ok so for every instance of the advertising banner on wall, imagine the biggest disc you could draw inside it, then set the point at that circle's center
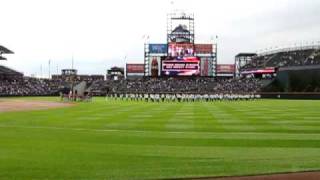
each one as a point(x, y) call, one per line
point(226, 68)
point(158, 48)
point(180, 49)
point(135, 68)
point(203, 48)
point(260, 71)
point(187, 66)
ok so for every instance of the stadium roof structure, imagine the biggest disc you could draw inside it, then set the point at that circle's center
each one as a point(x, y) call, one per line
point(297, 68)
point(4, 50)
point(245, 54)
point(8, 71)
point(117, 68)
point(180, 34)
point(180, 29)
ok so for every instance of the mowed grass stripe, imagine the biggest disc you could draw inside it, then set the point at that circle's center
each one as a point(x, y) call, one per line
point(198, 142)
point(182, 120)
point(140, 140)
point(183, 134)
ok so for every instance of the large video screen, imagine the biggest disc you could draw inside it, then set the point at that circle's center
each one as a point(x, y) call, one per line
point(186, 66)
point(180, 49)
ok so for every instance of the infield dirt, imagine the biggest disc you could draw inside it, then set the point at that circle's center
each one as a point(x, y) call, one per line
point(9, 105)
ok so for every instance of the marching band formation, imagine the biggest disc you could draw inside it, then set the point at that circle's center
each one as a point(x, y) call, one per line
point(182, 97)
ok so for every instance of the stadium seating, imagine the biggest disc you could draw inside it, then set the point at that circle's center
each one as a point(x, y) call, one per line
point(9, 74)
point(17, 85)
point(197, 85)
point(177, 85)
point(28, 87)
point(299, 57)
point(6, 70)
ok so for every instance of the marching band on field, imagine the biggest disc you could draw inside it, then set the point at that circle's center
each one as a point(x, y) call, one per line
point(180, 97)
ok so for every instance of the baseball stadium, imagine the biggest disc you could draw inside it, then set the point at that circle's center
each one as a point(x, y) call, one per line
point(177, 114)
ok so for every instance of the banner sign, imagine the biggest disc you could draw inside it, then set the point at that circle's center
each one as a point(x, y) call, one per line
point(203, 48)
point(225, 68)
point(135, 68)
point(260, 71)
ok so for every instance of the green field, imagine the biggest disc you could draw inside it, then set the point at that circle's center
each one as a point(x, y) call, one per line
point(138, 140)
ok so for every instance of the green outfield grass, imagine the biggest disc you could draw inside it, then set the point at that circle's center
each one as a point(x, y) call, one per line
point(138, 140)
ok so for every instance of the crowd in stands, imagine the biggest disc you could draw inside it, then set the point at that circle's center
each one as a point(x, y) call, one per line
point(293, 58)
point(314, 58)
point(28, 87)
point(12, 83)
point(174, 85)
point(286, 59)
point(44, 87)
point(36, 87)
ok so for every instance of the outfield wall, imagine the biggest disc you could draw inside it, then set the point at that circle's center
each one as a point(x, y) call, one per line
point(282, 95)
point(299, 79)
point(300, 82)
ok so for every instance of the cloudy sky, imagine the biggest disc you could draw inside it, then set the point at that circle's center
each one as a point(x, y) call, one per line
point(99, 34)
